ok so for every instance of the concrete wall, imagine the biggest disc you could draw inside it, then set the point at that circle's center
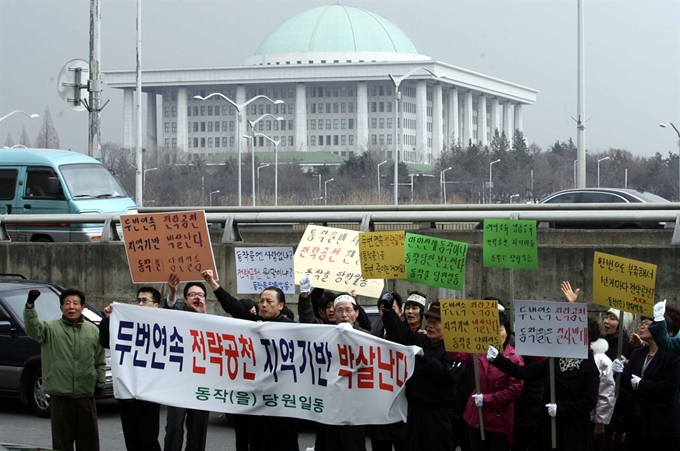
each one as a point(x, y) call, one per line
point(102, 272)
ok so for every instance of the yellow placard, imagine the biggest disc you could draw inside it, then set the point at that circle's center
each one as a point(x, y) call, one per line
point(158, 244)
point(331, 256)
point(624, 284)
point(382, 255)
point(470, 326)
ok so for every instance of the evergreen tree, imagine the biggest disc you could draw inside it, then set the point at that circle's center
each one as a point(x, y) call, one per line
point(9, 142)
point(24, 140)
point(48, 138)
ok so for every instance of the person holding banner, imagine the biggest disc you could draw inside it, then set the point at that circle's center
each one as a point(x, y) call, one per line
point(73, 369)
point(576, 391)
point(311, 299)
point(651, 378)
point(431, 390)
point(140, 419)
point(196, 420)
point(267, 432)
point(498, 393)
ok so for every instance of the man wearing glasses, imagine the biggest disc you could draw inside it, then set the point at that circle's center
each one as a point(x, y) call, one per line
point(196, 420)
point(139, 418)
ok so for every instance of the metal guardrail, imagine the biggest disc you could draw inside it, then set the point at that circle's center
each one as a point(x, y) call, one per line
point(368, 219)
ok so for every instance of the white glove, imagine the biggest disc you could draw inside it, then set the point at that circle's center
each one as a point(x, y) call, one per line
point(552, 409)
point(659, 310)
point(635, 382)
point(479, 400)
point(617, 366)
point(491, 354)
point(306, 284)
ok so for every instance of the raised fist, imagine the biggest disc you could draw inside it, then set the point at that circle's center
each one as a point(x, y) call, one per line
point(32, 296)
point(306, 284)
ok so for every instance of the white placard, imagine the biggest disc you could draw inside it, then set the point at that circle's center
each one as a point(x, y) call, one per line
point(551, 329)
point(316, 372)
point(260, 267)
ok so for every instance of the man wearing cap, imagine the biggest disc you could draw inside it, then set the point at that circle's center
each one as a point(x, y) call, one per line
point(431, 389)
point(346, 437)
point(413, 310)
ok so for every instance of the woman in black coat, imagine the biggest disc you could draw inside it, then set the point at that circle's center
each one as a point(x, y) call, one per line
point(577, 382)
point(651, 379)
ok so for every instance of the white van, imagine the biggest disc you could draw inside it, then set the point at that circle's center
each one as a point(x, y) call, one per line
point(47, 181)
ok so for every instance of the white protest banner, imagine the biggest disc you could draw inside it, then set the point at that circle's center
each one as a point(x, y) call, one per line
point(551, 329)
point(316, 372)
point(260, 267)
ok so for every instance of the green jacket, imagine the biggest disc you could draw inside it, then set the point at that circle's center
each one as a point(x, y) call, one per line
point(73, 361)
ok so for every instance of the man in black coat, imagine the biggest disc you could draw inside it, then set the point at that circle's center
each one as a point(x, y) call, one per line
point(431, 389)
point(268, 432)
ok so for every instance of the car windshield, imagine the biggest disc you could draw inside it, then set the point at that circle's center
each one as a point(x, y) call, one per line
point(91, 181)
point(47, 304)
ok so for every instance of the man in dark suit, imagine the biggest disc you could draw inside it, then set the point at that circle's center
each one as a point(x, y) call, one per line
point(196, 420)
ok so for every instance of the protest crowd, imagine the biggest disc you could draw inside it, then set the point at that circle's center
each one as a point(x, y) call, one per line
point(512, 409)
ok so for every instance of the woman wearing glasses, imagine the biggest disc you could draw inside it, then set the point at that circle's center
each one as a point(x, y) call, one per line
point(651, 378)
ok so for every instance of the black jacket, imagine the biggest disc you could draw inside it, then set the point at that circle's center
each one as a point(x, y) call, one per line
point(236, 309)
point(576, 390)
point(435, 376)
point(653, 409)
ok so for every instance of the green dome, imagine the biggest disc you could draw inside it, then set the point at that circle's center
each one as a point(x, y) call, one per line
point(337, 28)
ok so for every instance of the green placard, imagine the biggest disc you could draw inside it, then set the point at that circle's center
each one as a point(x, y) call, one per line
point(510, 243)
point(435, 261)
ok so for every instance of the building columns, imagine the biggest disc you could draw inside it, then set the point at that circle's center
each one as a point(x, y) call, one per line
point(518, 118)
point(437, 123)
point(182, 126)
point(482, 136)
point(421, 122)
point(495, 117)
point(507, 120)
point(152, 124)
point(301, 117)
point(453, 119)
point(362, 116)
point(128, 109)
point(467, 119)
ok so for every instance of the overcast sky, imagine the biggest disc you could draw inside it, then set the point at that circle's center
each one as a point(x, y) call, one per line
point(632, 56)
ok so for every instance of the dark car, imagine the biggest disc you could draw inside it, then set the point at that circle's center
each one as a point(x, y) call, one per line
point(20, 364)
point(604, 196)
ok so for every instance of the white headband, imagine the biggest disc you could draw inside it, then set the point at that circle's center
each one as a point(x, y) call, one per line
point(418, 299)
point(344, 298)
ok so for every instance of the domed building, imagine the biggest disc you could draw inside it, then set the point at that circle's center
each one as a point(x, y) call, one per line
point(328, 75)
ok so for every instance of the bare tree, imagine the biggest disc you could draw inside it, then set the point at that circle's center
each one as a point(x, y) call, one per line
point(9, 142)
point(48, 138)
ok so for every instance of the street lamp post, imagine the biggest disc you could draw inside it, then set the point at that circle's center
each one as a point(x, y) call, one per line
point(678, 133)
point(491, 177)
point(239, 111)
point(397, 97)
point(252, 144)
point(598, 169)
point(144, 177)
point(575, 173)
point(30, 116)
point(211, 193)
point(276, 165)
point(258, 176)
point(379, 164)
point(442, 183)
point(325, 191)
